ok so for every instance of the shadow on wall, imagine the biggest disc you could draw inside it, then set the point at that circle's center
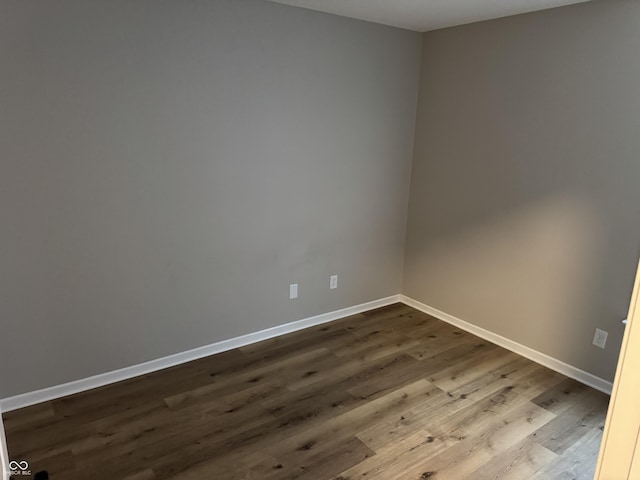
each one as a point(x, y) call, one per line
point(530, 275)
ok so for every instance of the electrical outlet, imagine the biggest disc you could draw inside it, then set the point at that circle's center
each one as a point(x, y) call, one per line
point(333, 282)
point(600, 338)
point(293, 291)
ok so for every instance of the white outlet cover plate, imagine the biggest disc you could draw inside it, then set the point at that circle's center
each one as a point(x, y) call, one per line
point(333, 282)
point(600, 338)
point(293, 291)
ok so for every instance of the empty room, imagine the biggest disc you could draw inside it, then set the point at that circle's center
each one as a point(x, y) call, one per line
point(319, 239)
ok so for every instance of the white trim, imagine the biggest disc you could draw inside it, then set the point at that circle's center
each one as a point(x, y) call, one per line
point(58, 391)
point(538, 357)
point(4, 452)
point(77, 386)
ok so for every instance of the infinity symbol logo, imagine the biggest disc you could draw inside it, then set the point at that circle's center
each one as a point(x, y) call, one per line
point(13, 465)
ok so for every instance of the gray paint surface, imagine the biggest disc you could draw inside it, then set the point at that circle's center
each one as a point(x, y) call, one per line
point(524, 214)
point(168, 168)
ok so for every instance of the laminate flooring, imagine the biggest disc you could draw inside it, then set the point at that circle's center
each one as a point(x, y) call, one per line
point(388, 394)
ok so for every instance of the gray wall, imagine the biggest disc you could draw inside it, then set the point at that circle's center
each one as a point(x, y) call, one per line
point(524, 214)
point(167, 168)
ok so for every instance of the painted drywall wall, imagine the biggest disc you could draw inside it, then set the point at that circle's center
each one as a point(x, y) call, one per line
point(167, 169)
point(524, 214)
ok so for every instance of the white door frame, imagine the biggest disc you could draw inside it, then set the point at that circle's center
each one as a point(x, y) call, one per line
point(619, 457)
point(4, 453)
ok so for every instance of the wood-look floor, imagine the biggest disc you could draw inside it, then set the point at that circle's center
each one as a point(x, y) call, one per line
point(389, 394)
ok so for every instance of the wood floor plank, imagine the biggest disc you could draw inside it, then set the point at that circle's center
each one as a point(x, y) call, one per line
point(576, 463)
point(521, 461)
point(395, 459)
point(562, 396)
point(529, 381)
point(397, 371)
point(374, 345)
point(406, 424)
point(388, 394)
point(478, 366)
point(118, 434)
point(257, 393)
point(35, 416)
point(52, 439)
point(323, 461)
point(352, 421)
point(252, 466)
point(282, 346)
point(573, 422)
point(439, 338)
point(470, 452)
point(144, 475)
point(354, 374)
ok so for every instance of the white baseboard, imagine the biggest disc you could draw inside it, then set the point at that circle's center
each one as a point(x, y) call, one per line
point(77, 386)
point(538, 357)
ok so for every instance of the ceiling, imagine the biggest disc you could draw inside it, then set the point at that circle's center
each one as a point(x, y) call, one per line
point(424, 15)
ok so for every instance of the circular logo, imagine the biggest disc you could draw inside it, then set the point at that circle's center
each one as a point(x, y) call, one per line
point(13, 465)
